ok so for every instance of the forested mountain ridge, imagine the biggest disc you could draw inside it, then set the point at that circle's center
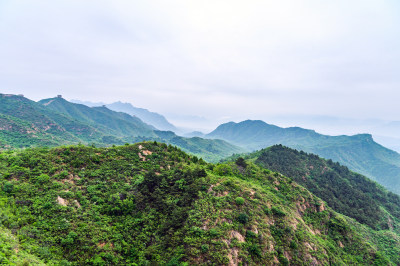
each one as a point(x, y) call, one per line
point(152, 203)
point(53, 122)
point(359, 152)
point(110, 122)
point(25, 123)
point(345, 191)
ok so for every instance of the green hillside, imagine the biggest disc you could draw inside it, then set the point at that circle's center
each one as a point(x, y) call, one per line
point(212, 150)
point(107, 121)
point(25, 123)
point(11, 252)
point(345, 191)
point(360, 152)
point(53, 122)
point(152, 203)
point(151, 118)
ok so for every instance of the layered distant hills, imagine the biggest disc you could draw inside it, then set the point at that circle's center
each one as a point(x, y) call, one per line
point(359, 152)
point(54, 122)
point(103, 201)
point(103, 119)
point(151, 118)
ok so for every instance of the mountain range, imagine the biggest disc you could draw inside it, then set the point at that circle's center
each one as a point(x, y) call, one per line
point(88, 185)
point(56, 121)
point(359, 152)
point(151, 118)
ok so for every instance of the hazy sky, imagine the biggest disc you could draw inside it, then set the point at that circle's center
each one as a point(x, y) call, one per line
point(220, 59)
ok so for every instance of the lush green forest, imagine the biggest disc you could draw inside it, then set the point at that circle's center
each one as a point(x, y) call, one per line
point(151, 203)
point(359, 152)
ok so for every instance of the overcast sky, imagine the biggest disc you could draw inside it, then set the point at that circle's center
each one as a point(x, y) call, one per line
point(221, 59)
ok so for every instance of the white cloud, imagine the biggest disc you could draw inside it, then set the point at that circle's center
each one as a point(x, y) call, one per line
point(212, 58)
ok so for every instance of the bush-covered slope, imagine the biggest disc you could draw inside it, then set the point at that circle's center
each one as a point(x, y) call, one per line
point(153, 203)
point(360, 152)
point(345, 191)
point(11, 252)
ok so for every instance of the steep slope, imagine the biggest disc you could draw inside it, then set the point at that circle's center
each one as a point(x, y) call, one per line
point(360, 152)
point(110, 122)
point(26, 123)
point(152, 203)
point(11, 252)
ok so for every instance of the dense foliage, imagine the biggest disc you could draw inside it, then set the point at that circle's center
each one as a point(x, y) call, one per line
point(346, 192)
point(152, 203)
point(359, 152)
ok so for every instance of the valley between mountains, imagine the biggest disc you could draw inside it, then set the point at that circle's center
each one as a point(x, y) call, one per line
point(115, 185)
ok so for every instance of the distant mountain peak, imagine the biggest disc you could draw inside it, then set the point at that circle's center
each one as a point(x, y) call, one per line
point(151, 118)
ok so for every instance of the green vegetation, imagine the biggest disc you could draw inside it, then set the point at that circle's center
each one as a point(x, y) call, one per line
point(53, 122)
point(346, 192)
point(11, 252)
point(153, 203)
point(239, 201)
point(103, 119)
point(359, 152)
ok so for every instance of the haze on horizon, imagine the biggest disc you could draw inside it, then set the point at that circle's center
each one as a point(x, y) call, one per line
point(210, 61)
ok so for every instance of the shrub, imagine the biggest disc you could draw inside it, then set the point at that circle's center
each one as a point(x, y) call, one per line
point(241, 162)
point(223, 170)
point(255, 250)
point(70, 239)
point(239, 201)
point(8, 187)
point(42, 179)
point(283, 260)
point(243, 218)
point(213, 232)
point(276, 211)
point(293, 244)
point(204, 248)
point(250, 234)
